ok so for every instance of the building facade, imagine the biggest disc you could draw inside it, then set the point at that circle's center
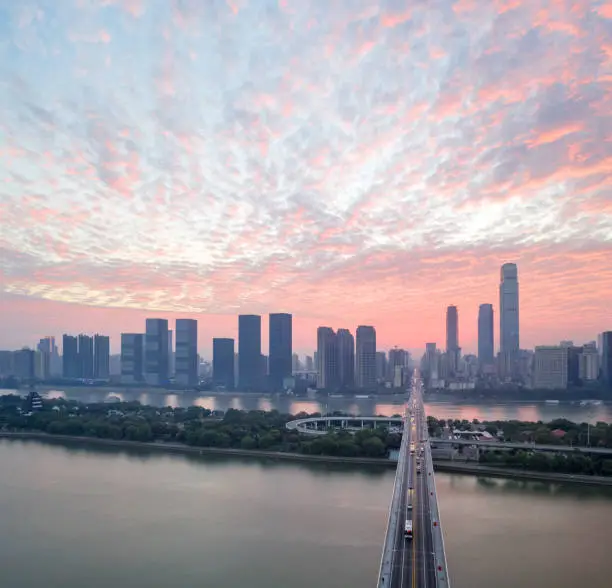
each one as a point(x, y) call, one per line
point(223, 363)
point(346, 359)
point(70, 357)
point(365, 357)
point(156, 352)
point(550, 367)
point(132, 357)
point(486, 341)
point(250, 363)
point(280, 349)
point(509, 340)
point(606, 357)
point(86, 357)
point(186, 354)
point(101, 345)
point(327, 359)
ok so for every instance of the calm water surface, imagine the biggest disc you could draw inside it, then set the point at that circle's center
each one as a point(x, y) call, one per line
point(74, 517)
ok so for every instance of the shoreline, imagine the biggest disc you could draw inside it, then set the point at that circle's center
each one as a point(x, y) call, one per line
point(446, 466)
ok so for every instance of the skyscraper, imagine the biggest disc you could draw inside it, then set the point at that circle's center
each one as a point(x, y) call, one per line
point(156, 352)
point(250, 365)
point(86, 357)
point(281, 341)
point(327, 359)
point(606, 357)
point(223, 363)
point(452, 329)
point(186, 357)
point(170, 354)
point(132, 357)
point(486, 343)
point(365, 363)
point(70, 357)
point(346, 359)
point(101, 357)
point(509, 309)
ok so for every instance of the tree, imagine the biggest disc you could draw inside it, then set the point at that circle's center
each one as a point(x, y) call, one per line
point(373, 447)
point(248, 442)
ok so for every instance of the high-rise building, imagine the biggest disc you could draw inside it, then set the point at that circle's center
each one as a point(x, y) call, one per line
point(486, 342)
point(86, 357)
point(223, 363)
point(365, 356)
point(452, 329)
point(588, 363)
point(46, 352)
point(186, 355)
point(132, 357)
point(606, 357)
point(397, 366)
point(70, 357)
point(250, 372)
point(101, 357)
point(381, 366)
point(156, 352)
point(327, 359)
point(346, 359)
point(551, 367)
point(281, 342)
point(309, 364)
point(24, 363)
point(431, 361)
point(295, 363)
point(509, 309)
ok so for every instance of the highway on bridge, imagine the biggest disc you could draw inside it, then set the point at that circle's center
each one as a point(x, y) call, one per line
point(413, 558)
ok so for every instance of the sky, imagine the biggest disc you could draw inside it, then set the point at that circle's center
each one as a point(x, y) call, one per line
point(348, 161)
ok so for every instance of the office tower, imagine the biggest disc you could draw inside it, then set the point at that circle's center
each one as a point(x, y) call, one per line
point(6, 363)
point(132, 357)
point(70, 357)
point(101, 345)
point(186, 354)
point(509, 309)
point(281, 349)
point(327, 359)
point(309, 364)
point(486, 343)
point(365, 364)
point(551, 367)
point(250, 372)
point(24, 365)
point(606, 357)
point(295, 363)
point(431, 361)
point(156, 352)
point(86, 357)
point(45, 351)
point(223, 363)
point(397, 366)
point(346, 359)
point(381, 366)
point(170, 354)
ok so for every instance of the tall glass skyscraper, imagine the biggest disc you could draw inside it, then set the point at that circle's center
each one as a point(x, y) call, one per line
point(280, 354)
point(509, 309)
point(223, 362)
point(156, 352)
point(250, 364)
point(346, 358)
point(366, 357)
point(486, 344)
point(452, 329)
point(186, 355)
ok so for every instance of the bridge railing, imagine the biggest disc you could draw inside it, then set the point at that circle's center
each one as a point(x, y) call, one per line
point(442, 579)
point(388, 554)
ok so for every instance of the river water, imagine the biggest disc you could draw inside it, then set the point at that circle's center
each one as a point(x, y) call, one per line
point(101, 518)
point(385, 405)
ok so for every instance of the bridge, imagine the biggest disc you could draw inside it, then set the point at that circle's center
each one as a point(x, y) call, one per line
point(322, 425)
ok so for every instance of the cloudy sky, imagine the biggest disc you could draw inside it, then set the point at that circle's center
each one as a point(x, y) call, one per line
point(349, 161)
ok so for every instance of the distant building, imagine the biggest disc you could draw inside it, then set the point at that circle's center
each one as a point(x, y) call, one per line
point(281, 348)
point(250, 372)
point(295, 363)
point(381, 366)
point(170, 354)
point(186, 358)
point(86, 357)
point(452, 329)
point(606, 357)
point(24, 364)
point(365, 357)
point(6, 363)
point(309, 364)
point(588, 363)
point(551, 367)
point(132, 357)
point(156, 352)
point(32, 402)
point(70, 357)
point(223, 363)
point(327, 359)
point(486, 342)
point(346, 359)
point(101, 357)
point(50, 364)
point(431, 361)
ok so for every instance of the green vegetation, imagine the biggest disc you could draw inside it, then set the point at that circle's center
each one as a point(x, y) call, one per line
point(192, 426)
point(559, 432)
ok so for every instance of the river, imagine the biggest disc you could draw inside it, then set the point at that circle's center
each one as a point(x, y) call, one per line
point(102, 518)
point(386, 405)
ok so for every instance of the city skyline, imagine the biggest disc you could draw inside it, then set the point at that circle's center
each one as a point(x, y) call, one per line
point(384, 164)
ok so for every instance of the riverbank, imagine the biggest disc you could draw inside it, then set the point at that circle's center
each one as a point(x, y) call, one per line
point(446, 466)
